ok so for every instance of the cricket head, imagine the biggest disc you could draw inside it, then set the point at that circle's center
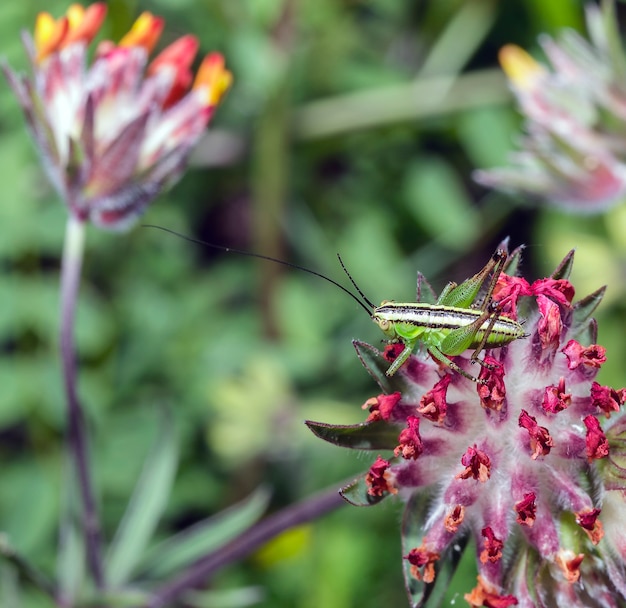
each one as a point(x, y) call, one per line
point(386, 318)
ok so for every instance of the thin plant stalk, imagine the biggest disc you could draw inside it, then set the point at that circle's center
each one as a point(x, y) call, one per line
point(77, 438)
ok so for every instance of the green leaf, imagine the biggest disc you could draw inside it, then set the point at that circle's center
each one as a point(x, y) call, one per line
point(227, 598)
point(70, 561)
point(123, 598)
point(29, 505)
point(440, 203)
point(204, 537)
point(377, 435)
point(10, 592)
point(145, 507)
point(487, 134)
point(356, 494)
point(24, 568)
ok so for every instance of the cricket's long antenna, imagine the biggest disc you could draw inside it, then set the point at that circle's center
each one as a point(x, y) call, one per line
point(283, 262)
point(354, 283)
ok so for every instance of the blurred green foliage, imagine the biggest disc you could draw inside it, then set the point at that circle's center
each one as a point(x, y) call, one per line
point(352, 127)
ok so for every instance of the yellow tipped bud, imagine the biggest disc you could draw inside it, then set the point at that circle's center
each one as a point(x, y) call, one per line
point(49, 33)
point(144, 32)
point(521, 69)
point(75, 15)
point(213, 77)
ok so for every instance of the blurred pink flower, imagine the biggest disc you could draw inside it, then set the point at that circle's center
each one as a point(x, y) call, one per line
point(573, 153)
point(114, 132)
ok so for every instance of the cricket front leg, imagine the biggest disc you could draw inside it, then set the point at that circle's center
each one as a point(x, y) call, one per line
point(401, 358)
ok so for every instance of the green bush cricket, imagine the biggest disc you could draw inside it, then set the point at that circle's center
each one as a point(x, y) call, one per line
point(447, 328)
point(453, 324)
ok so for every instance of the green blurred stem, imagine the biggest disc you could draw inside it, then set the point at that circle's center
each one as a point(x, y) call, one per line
point(270, 162)
point(252, 539)
point(424, 97)
point(70, 281)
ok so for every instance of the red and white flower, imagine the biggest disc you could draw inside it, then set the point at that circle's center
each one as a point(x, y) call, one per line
point(114, 132)
point(524, 461)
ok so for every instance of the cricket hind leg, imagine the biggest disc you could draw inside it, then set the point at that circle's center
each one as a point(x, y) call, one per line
point(498, 259)
point(465, 294)
point(492, 316)
point(462, 339)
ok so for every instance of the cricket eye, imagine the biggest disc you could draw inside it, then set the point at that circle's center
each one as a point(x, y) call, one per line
point(383, 324)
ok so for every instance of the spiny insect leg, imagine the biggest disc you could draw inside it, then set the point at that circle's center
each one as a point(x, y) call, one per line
point(492, 315)
point(498, 259)
point(465, 294)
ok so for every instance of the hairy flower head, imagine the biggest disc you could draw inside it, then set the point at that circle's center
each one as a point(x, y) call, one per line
point(528, 461)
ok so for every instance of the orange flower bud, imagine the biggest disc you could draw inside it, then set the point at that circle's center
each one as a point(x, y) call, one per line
point(84, 24)
point(49, 33)
point(144, 32)
point(213, 77)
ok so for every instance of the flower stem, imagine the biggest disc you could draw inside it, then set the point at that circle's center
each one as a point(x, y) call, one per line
point(248, 541)
point(70, 280)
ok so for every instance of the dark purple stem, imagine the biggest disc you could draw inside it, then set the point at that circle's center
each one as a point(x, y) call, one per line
point(247, 542)
point(70, 280)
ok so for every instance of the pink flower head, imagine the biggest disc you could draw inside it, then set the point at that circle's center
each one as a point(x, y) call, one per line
point(573, 152)
point(112, 134)
point(519, 460)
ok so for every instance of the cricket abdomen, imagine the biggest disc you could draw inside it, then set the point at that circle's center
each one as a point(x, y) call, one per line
point(419, 320)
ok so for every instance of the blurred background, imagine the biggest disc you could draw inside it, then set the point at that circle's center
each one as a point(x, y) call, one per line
point(353, 126)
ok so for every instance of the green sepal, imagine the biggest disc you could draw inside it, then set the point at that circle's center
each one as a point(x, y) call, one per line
point(513, 262)
point(376, 435)
point(589, 334)
point(356, 494)
point(526, 308)
point(421, 594)
point(583, 309)
point(424, 292)
point(376, 366)
point(564, 269)
point(613, 468)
